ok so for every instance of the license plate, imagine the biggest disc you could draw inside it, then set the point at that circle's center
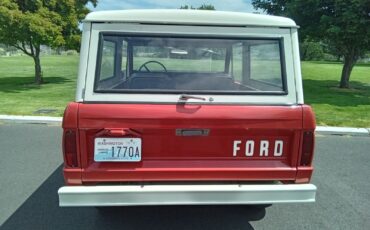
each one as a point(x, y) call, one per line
point(117, 149)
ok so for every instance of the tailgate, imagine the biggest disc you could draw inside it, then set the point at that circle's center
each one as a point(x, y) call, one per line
point(193, 142)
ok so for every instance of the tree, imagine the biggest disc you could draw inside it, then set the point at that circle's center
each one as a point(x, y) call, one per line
point(187, 7)
point(311, 50)
point(206, 7)
point(26, 25)
point(343, 24)
point(202, 7)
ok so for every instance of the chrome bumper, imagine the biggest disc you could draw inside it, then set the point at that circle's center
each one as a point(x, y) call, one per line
point(130, 195)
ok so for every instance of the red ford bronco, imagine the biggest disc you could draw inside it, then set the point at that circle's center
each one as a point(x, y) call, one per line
point(187, 107)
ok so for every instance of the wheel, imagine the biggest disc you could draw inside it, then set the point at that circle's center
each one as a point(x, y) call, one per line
point(144, 65)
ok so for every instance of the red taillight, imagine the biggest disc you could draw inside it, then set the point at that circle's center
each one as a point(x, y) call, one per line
point(70, 148)
point(307, 148)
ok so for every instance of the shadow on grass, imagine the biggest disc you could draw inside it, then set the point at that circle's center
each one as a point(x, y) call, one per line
point(20, 84)
point(41, 211)
point(328, 92)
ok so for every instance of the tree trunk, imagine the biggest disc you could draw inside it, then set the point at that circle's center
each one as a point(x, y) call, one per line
point(349, 62)
point(38, 72)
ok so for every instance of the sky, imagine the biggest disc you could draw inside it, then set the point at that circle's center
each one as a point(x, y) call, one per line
point(226, 5)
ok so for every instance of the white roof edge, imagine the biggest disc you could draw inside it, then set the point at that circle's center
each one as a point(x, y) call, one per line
point(189, 17)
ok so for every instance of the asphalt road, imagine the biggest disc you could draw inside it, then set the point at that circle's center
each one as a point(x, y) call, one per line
point(30, 175)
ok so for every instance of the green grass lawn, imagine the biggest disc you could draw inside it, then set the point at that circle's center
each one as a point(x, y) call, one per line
point(333, 106)
point(20, 96)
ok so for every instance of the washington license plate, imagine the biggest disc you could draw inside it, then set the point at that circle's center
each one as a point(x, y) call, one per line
point(117, 149)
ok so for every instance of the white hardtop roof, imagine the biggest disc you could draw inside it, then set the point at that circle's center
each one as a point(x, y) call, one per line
point(189, 17)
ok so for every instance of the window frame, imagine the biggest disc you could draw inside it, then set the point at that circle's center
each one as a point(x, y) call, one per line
point(130, 61)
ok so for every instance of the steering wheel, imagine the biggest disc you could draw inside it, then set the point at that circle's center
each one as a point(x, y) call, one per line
point(144, 65)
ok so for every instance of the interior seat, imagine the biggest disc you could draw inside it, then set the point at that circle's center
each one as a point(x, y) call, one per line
point(150, 81)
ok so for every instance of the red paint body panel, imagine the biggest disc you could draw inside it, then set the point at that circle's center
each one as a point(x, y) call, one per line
point(309, 121)
point(170, 157)
point(304, 174)
point(70, 118)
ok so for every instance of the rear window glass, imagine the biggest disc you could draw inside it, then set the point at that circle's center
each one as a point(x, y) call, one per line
point(180, 65)
point(107, 60)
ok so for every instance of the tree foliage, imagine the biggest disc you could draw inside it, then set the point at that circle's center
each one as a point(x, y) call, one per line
point(28, 24)
point(343, 24)
point(311, 50)
point(202, 7)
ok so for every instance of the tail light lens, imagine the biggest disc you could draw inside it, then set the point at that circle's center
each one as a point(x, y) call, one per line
point(70, 148)
point(307, 148)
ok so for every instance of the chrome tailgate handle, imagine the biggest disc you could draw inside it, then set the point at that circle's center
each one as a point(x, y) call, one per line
point(192, 132)
point(185, 97)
